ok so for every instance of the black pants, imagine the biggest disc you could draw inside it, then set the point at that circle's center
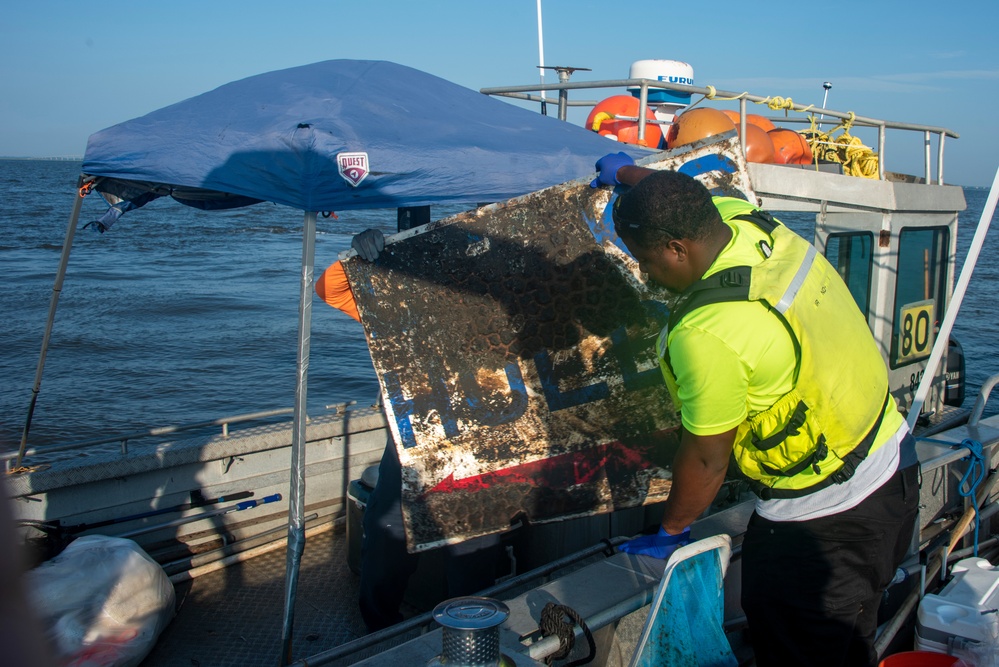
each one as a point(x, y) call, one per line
point(811, 589)
point(386, 565)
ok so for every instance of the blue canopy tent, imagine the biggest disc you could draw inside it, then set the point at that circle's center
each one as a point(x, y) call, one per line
point(277, 136)
point(274, 137)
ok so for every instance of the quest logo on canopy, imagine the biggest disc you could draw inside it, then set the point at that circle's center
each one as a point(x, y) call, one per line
point(353, 167)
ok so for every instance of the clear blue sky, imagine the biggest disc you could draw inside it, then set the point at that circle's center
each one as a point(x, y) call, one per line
point(71, 69)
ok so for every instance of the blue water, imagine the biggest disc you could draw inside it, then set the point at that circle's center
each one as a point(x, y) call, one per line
point(178, 315)
point(174, 315)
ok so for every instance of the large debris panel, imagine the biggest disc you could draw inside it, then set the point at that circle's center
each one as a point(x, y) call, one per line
point(515, 348)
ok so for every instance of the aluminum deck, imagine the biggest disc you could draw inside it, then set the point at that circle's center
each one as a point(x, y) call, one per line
point(232, 617)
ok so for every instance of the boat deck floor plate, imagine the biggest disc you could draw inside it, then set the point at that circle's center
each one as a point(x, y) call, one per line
point(233, 616)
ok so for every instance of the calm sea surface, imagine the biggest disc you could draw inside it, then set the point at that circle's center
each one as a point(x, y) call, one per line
point(178, 315)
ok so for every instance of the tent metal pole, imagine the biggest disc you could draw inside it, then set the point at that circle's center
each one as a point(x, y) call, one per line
point(296, 493)
point(67, 245)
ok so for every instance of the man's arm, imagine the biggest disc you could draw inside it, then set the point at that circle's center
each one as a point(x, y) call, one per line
point(630, 174)
point(698, 472)
point(618, 169)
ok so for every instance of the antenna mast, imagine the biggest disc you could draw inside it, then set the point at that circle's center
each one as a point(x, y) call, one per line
point(825, 85)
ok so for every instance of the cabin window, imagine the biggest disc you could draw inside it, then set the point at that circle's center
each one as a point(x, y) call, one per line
point(920, 292)
point(851, 255)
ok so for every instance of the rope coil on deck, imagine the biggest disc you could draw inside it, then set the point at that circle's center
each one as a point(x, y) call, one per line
point(845, 149)
point(553, 623)
point(21, 470)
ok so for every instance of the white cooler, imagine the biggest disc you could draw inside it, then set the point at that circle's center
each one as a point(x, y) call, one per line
point(966, 610)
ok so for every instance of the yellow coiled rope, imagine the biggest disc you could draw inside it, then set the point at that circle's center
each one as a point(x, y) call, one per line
point(845, 149)
point(778, 103)
point(775, 103)
point(20, 470)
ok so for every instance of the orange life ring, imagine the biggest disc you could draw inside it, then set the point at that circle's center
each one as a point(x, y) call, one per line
point(617, 118)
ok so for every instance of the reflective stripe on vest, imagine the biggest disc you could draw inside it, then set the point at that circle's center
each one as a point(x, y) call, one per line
point(799, 279)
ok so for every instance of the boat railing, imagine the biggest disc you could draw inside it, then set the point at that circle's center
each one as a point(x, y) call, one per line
point(984, 392)
point(124, 439)
point(527, 93)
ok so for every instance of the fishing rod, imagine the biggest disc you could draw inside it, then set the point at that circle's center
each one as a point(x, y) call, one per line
point(238, 507)
point(197, 500)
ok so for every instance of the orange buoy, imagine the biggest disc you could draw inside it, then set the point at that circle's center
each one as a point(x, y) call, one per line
point(790, 147)
point(759, 148)
point(617, 118)
point(695, 124)
point(751, 119)
point(760, 121)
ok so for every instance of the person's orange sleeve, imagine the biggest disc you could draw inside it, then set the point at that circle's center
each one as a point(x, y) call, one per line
point(333, 288)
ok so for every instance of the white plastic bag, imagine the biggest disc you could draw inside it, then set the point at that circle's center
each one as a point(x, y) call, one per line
point(983, 653)
point(103, 602)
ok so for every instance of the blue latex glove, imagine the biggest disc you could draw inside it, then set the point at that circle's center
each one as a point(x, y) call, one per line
point(661, 545)
point(607, 167)
point(368, 244)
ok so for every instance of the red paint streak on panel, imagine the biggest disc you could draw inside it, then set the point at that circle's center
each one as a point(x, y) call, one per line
point(570, 469)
